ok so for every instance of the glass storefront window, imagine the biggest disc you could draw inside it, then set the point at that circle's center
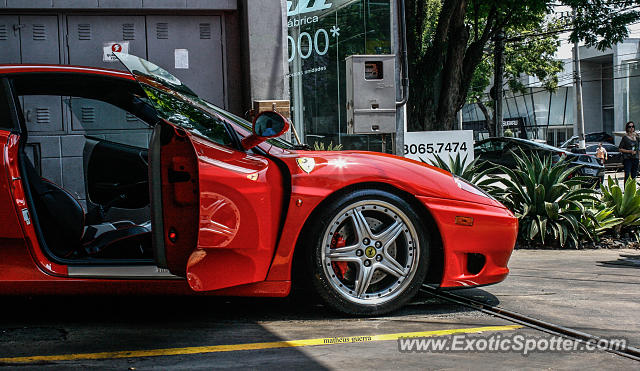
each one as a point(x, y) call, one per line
point(551, 110)
point(540, 99)
point(569, 116)
point(521, 107)
point(509, 106)
point(633, 89)
point(557, 109)
point(321, 35)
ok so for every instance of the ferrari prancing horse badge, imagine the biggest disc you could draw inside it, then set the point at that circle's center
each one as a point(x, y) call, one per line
point(306, 164)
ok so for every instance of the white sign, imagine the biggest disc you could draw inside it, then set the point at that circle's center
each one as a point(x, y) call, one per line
point(306, 44)
point(509, 123)
point(181, 58)
point(426, 145)
point(114, 46)
point(303, 7)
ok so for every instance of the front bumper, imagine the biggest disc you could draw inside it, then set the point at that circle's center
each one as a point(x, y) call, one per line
point(492, 235)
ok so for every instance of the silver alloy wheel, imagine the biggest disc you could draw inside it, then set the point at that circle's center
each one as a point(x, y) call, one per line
point(381, 254)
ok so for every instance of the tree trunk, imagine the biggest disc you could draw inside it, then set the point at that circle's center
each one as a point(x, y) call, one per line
point(422, 106)
point(427, 65)
point(441, 75)
point(444, 71)
point(452, 74)
point(488, 119)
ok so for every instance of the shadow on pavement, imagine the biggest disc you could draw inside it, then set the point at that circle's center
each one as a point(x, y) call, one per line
point(477, 294)
point(624, 261)
point(107, 323)
point(51, 325)
point(85, 324)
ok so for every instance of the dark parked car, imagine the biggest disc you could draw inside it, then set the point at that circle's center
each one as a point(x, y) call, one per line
point(600, 137)
point(614, 156)
point(499, 151)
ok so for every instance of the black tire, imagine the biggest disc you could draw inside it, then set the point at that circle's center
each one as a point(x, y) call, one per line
point(395, 272)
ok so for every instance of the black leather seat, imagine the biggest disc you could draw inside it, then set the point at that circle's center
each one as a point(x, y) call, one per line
point(62, 221)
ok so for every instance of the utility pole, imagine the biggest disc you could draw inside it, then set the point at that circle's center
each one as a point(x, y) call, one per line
point(578, 82)
point(497, 81)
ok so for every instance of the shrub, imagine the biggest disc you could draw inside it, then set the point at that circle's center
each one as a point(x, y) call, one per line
point(624, 205)
point(548, 202)
point(472, 172)
point(319, 146)
point(600, 220)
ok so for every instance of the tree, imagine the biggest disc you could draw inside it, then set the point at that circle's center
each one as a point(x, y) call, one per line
point(524, 55)
point(447, 40)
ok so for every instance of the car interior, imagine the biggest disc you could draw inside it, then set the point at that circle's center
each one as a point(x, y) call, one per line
point(88, 181)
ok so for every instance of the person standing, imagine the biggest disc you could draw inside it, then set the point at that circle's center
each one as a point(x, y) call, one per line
point(601, 154)
point(629, 148)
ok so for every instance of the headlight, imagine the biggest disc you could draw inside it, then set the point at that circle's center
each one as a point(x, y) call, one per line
point(466, 186)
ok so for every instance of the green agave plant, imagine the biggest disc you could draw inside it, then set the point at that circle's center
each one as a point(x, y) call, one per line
point(471, 172)
point(600, 220)
point(319, 146)
point(624, 205)
point(546, 198)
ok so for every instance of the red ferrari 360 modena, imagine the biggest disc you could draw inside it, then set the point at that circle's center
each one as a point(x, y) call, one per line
point(148, 189)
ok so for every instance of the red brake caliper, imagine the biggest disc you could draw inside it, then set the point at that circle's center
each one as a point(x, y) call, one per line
point(339, 267)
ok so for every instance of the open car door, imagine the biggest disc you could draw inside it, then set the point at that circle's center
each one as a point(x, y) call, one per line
point(215, 209)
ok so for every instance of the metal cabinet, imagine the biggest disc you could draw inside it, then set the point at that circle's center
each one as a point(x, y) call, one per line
point(40, 43)
point(190, 46)
point(40, 39)
point(9, 39)
point(191, 49)
point(88, 35)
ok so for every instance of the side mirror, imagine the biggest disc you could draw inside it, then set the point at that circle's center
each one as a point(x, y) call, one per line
point(268, 124)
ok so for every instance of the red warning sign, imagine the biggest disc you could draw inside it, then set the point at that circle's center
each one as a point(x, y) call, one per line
point(111, 47)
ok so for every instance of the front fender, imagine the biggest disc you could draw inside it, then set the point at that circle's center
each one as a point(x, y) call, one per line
point(333, 171)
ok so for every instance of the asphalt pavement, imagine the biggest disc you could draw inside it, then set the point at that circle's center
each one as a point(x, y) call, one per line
point(595, 291)
point(591, 290)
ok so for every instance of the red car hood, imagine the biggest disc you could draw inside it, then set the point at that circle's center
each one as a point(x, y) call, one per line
point(333, 170)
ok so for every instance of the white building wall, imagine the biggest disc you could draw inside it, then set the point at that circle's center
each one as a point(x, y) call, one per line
point(591, 96)
point(624, 59)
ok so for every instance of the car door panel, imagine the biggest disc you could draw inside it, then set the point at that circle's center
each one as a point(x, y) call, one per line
point(173, 170)
point(240, 208)
point(8, 217)
point(116, 174)
point(221, 207)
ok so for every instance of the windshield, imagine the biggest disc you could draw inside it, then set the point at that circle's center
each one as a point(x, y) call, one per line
point(278, 142)
point(178, 104)
point(537, 144)
point(569, 142)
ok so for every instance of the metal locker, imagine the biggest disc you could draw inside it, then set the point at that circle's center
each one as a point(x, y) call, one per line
point(9, 39)
point(87, 36)
point(190, 47)
point(98, 118)
point(40, 43)
point(39, 39)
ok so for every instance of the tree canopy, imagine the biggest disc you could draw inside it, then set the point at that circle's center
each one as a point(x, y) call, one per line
point(523, 55)
point(448, 42)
